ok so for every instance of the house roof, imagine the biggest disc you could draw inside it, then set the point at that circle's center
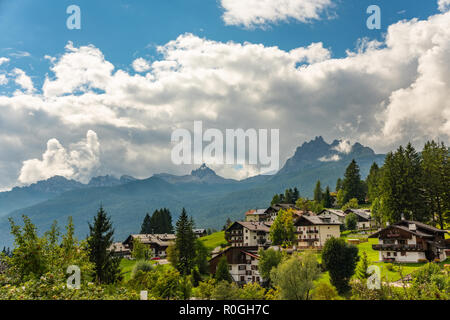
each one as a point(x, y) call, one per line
point(256, 212)
point(364, 214)
point(319, 220)
point(163, 240)
point(339, 213)
point(199, 230)
point(420, 232)
point(253, 226)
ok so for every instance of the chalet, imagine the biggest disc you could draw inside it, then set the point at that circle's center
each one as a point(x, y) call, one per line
point(272, 211)
point(338, 215)
point(242, 264)
point(118, 249)
point(313, 230)
point(411, 241)
point(365, 221)
point(157, 242)
point(257, 215)
point(248, 234)
point(200, 233)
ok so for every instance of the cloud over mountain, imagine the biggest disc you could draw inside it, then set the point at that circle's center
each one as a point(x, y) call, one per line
point(383, 94)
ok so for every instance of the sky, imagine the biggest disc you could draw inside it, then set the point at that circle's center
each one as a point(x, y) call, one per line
point(106, 98)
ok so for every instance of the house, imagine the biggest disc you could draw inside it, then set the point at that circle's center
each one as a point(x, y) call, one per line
point(272, 211)
point(335, 214)
point(242, 264)
point(257, 215)
point(120, 250)
point(313, 231)
point(365, 221)
point(248, 234)
point(157, 242)
point(411, 241)
point(200, 233)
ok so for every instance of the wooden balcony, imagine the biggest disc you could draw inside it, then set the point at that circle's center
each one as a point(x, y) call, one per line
point(398, 247)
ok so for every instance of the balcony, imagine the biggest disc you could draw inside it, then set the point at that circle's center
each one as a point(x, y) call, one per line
point(398, 247)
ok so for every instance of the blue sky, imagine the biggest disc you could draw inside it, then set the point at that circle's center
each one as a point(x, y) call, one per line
point(74, 102)
point(125, 29)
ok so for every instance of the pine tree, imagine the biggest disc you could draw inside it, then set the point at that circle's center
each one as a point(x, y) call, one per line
point(436, 180)
point(318, 192)
point(361, 270)
point(296, 194)
point(185, 243)
point(275, 200)
point(106, 266)
point(338, 184)
point(351, 184)
point(327, 201)
point(146, 227)
point(372, 182)
point(222, 272)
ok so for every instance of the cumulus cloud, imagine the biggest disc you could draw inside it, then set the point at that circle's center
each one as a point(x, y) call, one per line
point(252, 13)
point(332, 158)
point(76, 163)
point(344, 147)
point(444, 5)
point(23, 80)
point(141, 65)
point(3, 60)
point(3, 79)
point(382, 94)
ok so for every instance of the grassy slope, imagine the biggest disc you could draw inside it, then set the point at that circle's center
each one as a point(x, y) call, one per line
point(214, 240)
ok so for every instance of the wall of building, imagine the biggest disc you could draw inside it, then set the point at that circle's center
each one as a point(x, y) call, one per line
point(410, 257)
point(327, 232)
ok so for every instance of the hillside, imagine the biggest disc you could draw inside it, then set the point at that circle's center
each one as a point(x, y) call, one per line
point(209, 198)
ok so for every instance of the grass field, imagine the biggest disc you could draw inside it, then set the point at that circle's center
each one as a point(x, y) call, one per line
point(214, 240)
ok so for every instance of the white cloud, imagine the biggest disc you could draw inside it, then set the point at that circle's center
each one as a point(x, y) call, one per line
point(141, 65)
point(383, 94)
point(3, 80)
point(444, 5)
point(78, 163)
point(252, 13)
point(3, 60)
point(344, 147)
point(332, 158)
point(23, 80)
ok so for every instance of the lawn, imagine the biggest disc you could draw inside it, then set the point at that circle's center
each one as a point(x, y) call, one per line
point(214, 240)
point(128, 265)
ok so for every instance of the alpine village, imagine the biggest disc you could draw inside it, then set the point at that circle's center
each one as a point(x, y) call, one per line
point(382, 237)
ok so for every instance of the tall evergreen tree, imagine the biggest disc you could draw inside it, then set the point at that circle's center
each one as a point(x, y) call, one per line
point(352, 185)
point(338, 184)
point(296, 194)
point(436, 180)
point(185, 243)
point(106, 266)
point(318, 192)
point(146, 227)
point(372, 181)
point(327, 201)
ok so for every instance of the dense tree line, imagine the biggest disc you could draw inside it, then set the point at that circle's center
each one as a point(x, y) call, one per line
point(415, 185)
point(159, 222)
point(289, 197)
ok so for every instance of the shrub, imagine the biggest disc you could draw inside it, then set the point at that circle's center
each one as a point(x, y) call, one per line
point(142, 265)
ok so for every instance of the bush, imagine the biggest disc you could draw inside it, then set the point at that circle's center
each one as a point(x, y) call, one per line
point(142, 265)
point(325, 291)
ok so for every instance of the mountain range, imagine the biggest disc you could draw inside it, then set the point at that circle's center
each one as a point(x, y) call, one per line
point(209, 198)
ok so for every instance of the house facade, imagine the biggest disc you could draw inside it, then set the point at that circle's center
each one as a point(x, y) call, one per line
point(242, 264)
point(335, 214)
point(365, 221)
point(248, 234)
point(411, 242)
point(158, 243)
point(313, 231)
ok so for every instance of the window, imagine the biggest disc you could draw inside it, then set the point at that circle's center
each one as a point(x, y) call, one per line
point(395, 254)
point(388, 254)
point(403, 253)
point(242, 278)
point(241, 267)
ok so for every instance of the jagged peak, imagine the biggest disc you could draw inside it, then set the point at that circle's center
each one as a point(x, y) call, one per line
point(203, 171)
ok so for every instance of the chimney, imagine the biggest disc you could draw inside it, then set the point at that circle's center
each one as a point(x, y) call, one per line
point(403, 216)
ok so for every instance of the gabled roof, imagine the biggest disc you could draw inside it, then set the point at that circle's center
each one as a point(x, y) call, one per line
point(421, 225)
point(256, 212)
point(319, 220)
point(339, 213)
point(364, 214)
point(163, 240)
point(253, 226)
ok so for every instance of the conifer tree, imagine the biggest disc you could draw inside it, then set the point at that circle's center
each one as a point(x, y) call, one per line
point(318, 192)
point(352, 185)
point(106, 266)
point(185, 244)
